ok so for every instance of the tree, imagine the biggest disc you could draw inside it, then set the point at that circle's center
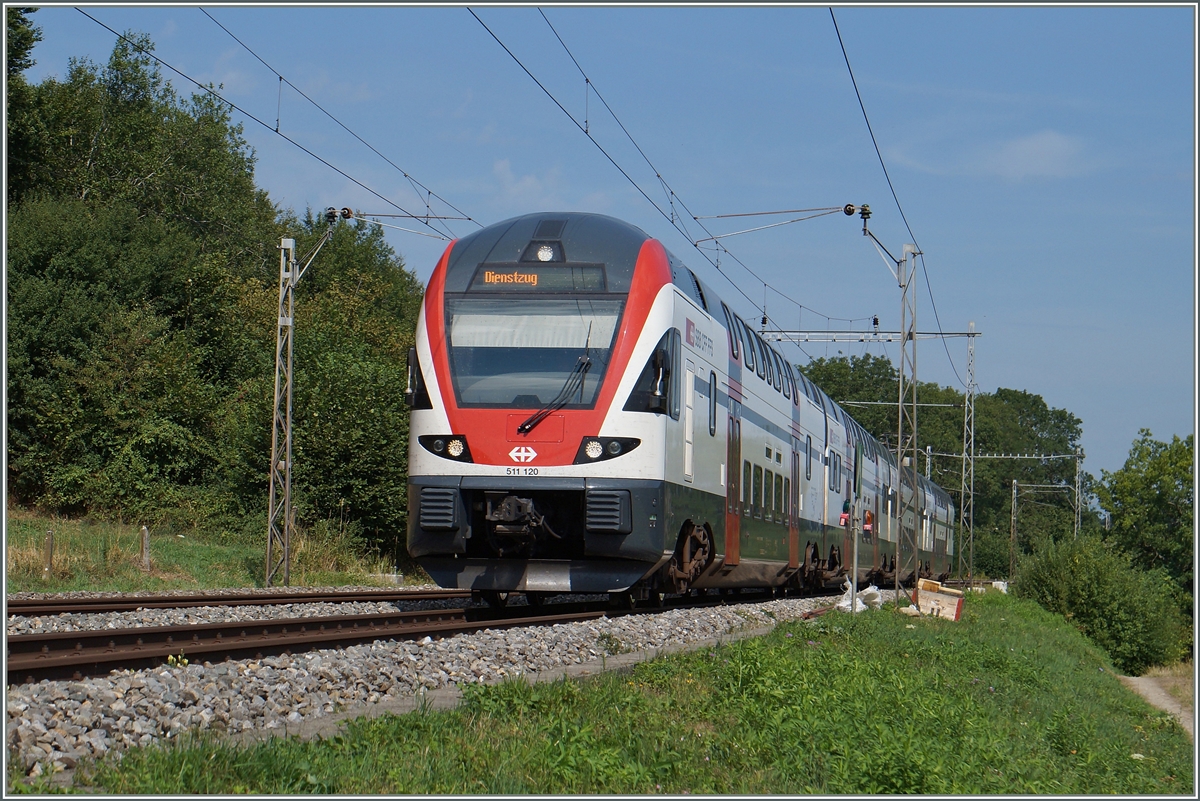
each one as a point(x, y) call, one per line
point(1150, 500)
point(22, 130)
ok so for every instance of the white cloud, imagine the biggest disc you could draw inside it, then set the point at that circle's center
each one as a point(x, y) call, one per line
point(528, 191)
point(1047, 154)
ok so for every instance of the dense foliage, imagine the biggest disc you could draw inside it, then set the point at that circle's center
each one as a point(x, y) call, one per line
point(142, 296)
point(1150, 500)
point(1131, 613)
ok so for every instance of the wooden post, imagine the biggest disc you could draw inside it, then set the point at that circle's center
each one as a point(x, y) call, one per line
point(48, 562)
point(145, 549)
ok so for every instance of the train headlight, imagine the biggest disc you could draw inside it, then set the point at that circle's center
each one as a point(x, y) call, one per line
point(545, 253)
point(447, 446)
point(599, 449)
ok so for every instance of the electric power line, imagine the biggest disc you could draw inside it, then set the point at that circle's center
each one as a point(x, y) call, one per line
point(242, 111)
point(672, 196)
point(413, 182)
point(879, 154)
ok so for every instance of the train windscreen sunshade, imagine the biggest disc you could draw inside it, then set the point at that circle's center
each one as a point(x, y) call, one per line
point(519, 352)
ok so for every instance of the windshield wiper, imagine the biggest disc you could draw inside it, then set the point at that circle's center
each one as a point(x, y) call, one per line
point(574, 384)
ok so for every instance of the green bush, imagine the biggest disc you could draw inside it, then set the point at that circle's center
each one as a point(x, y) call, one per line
point(1130, 613)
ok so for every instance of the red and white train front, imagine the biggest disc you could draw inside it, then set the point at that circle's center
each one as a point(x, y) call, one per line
point(538, 430)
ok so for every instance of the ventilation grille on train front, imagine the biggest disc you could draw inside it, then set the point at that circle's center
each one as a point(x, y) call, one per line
point(609, 511)
point(438, 507)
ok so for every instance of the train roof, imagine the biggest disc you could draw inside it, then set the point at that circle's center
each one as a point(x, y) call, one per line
point(575, 237)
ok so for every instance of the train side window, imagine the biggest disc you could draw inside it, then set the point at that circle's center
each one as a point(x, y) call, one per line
point(779, 382)
point(747, 489)
point(780, 503)
point(764, 374)
point(733, 334)
point(748, 350)
point(768, 495)
point(758, 491)
point(788, 391)
point(712, 404)
point(787, 499)
point(808, 458)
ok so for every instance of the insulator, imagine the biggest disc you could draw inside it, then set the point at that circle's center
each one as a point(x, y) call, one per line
point(849, 209)
point(864, 211)
point(347, 214)
point(331, 215)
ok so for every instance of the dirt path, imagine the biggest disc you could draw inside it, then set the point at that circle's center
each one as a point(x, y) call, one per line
point(1150, 688)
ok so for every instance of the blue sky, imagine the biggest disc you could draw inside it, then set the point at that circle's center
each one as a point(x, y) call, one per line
point(1044, 158)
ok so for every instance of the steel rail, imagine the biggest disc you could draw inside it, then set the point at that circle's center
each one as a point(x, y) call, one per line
point(74, 654)
point(128, 603)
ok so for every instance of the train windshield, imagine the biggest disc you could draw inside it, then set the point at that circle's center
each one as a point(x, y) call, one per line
point(519, 352)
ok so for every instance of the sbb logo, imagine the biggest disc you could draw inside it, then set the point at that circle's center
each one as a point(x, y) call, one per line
point(697, 338)
point(523, 453)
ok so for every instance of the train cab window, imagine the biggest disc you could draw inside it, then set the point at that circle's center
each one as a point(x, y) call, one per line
point(757, 495)
point(712, 404)
point(733, 334)
point(808, 458)
point(658, 388)
point(747, 489)
point(779, 497)
point(677, 374)
point(520, 352)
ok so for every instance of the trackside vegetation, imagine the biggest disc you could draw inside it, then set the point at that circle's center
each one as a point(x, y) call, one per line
point(1011, 699)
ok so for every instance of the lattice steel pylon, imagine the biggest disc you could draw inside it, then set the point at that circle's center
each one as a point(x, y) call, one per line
point(279, 502)
point(280, 518)
point(966, 498)
point(906, 429)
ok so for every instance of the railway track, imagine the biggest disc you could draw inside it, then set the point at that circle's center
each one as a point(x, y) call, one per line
point(30, 607)
point(75, 654)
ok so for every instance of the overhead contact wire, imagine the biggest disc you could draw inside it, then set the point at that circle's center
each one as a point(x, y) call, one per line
point(266, 125)
point(672, 195)
point(412, 181)
point(896, 198)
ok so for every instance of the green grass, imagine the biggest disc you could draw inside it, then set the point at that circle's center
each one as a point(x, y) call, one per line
point(95, 556)
point(1011, 699)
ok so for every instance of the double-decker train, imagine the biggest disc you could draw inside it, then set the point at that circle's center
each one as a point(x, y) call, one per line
point(588, 416)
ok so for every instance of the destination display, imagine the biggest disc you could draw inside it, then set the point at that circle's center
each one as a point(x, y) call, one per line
point(526, 277)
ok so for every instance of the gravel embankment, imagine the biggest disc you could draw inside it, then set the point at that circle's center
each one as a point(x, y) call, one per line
point(54, 724)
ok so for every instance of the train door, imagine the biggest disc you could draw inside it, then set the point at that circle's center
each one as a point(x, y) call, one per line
point(793, 512)
point(689, 422)
point(733, 490)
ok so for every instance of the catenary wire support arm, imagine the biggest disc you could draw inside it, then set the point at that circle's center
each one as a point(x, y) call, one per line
point(280, 516)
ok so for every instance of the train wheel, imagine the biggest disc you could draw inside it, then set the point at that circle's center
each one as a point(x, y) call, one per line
point(494, 598)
